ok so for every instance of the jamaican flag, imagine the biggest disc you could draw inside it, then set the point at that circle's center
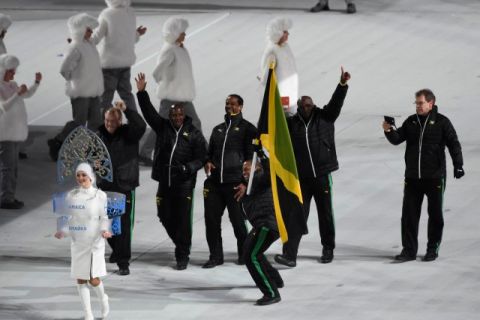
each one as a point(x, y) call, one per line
point(275, 140)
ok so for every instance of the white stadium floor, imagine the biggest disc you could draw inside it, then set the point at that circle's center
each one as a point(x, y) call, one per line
point(391, 47)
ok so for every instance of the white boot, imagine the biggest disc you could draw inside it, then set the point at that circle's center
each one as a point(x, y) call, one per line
point(84, 294)
point(99, 290)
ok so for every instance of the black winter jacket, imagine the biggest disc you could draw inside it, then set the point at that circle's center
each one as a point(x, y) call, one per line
point(313, 140)
point(179, 154)
point(123, 148)
point(425, 152)
point(230, 145)
point(258, 206)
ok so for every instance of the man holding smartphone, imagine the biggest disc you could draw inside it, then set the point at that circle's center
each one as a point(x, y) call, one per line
point(426, 133)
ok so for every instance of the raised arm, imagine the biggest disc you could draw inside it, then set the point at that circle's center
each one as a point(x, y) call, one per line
point(151, 115)
point(332, 110)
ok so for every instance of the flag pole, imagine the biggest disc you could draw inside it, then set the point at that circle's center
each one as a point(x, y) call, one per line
point(252, 171)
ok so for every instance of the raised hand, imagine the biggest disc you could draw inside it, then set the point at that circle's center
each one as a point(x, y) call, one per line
point(344, 77)
point(140, 81)
point(38, 77)
point(120, 105)
point(141, 30)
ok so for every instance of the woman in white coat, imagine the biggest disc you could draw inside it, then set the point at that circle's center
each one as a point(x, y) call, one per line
point(88, 227)
point(278, 52)
point(174, 76)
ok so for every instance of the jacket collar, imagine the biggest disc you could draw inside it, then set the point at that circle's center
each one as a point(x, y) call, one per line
point(234, 119)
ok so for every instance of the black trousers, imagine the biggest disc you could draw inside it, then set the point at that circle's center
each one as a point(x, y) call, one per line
point(174, 209)
point(320, 189)
point(122, 244)
point(216, 197)
point(265, 276)
point(414, 192)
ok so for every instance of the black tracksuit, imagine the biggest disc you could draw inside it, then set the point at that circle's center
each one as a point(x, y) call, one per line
point(123, 148)
point(425, 173)
point(230, 145)
point(259, 210)
point(313, 141)
point(179, 154)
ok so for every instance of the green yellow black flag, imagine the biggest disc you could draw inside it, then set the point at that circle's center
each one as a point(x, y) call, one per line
point(275, 139)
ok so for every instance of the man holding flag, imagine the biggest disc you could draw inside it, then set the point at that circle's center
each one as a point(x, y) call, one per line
point(312, 133)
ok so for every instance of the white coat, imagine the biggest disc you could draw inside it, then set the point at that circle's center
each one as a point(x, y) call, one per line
point(118, 29)
point(88, 218)
point(174, 74)
point(13, 113)
point(285, 70)
point(82, 70)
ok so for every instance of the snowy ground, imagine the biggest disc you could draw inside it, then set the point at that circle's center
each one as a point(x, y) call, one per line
point(392, 48)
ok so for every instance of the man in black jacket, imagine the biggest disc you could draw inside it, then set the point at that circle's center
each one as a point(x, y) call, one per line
point(230, 145)
point(312, 131)
point(259, 210)
point(122, 141)
point(426, 133)
point(180, 151)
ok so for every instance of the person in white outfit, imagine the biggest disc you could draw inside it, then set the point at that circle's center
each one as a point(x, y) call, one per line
point(5, 23)
point(174, 77)
point(278, 52)
point(88, 227)
point(13, 127)
point(81, 68)
point(119, 32)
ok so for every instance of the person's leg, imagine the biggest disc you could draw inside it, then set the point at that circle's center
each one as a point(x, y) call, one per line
point(97, 286)
point(411, 210)
point(8, 174)
point(94, 114)
point(183, 228)
point(124, 88)
point(326, 219)
point(351, 8)
point(110, 82)
point(214, 206)
point(165, 211)
point(80, 109)
point(123, 249)
point(236, 218)
point(434, 191)
point(290, 248)
point(84, 293)
point(256, 243)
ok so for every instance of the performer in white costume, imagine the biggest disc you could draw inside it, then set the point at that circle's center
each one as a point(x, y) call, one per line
point(5, 23)
point(88, 226)
point(278, 51)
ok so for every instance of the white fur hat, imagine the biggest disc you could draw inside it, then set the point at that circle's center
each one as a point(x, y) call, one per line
point(118, 3)
point(87, 169)
point(173, 27)
point(5, 22)
point(7, 62)
point(79, 23)
point(276, 27)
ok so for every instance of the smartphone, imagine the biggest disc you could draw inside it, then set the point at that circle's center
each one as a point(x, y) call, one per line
point(389, 120)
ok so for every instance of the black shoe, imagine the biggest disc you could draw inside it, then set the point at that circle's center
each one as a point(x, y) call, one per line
point(14, 205)
point(22, 156)
point(212, 263)
point(431, 255)
point(285, 261)
point(322, 5)
point(123, 271)
point(54, 147)
point(182, 264)
point(327, 256)
point(351, 8)
point(266, 300)
point(405, 256)
point(280, 283)
point(112, 258)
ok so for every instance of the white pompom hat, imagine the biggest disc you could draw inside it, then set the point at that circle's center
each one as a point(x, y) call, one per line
point(8, 62)
point(276, 27)
point(173, 27)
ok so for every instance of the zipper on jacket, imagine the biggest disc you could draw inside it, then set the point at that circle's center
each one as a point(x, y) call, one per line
point(308, 144)
point(223, 151)
point(420, 143)
point(171, 156)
